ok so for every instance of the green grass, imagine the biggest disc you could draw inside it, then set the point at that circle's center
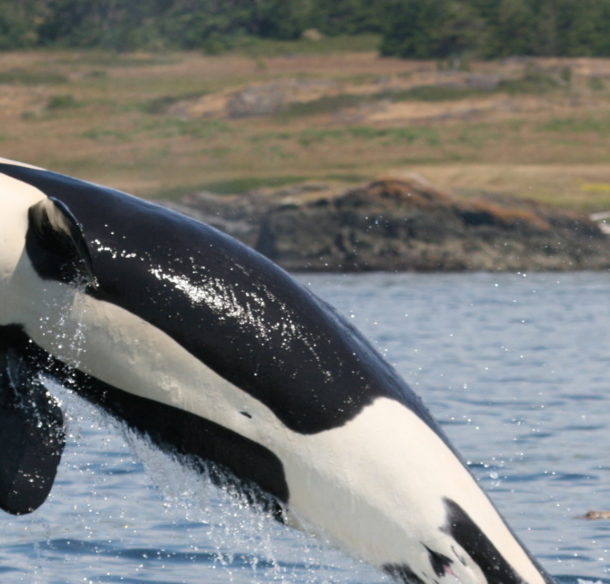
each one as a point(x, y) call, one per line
point(537, 81)
point(217, 152)
point(96, 74)
point(433, 93)
point(106, 136)
point(476, 136)
point(529, 82)
point(112, 59)
point(324, 105)
point(160, 105)
point(336, 103)
point(348, 177)
point(243, 185)
point(387, 136)
point(26, 77)
point(161, 128)
point(532, 81)
point(576, 125)
point(62, 102)
point(268, 136)
point(169, 127)
point(232, 186)
point(596, 84)
point(311, 136)
point(257, 47)
point(359, 78)
point(400, 135)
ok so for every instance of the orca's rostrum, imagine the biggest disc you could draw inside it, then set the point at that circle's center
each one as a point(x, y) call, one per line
point(216, 354)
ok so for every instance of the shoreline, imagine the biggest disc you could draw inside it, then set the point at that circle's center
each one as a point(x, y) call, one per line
point(402, 224)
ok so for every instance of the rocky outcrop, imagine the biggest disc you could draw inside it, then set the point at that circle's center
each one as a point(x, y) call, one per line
point(403, 225)
point(597, 515)
point(266, 99)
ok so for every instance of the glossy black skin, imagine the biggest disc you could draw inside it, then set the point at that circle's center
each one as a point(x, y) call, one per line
point(31, 429)
point(292, 352)
point(235, 311)
point(314, 377)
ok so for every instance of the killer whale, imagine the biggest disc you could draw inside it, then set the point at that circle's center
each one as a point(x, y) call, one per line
point(215, 353)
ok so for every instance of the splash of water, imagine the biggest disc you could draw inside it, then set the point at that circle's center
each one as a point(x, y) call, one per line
point(224, 536)
point(239, 544)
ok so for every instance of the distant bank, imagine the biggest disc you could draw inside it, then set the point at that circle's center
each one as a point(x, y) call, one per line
point(403, 224)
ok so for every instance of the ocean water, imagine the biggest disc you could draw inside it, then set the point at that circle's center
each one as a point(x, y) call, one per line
point(516, 367)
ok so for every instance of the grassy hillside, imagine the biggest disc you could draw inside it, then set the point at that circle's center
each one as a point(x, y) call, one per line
point(163, 124)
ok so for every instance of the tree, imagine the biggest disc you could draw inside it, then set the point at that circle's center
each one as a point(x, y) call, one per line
point(437, 29)
point(111, 24)
point(461, 33)
point(345, 17)
point(513, 32)
point(411, 33)
point(18, 24)
point(279, 19)
point(600, 40)
point(419, 29)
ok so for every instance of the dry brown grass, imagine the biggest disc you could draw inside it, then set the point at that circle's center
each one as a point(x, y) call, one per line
point(138, 122)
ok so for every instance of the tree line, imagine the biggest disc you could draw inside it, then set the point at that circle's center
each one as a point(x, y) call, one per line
point(420, 29)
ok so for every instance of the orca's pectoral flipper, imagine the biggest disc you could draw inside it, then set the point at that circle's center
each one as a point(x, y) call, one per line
point(31, 436)
point(56, 245)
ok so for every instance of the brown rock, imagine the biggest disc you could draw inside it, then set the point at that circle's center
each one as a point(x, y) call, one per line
point(405, 225)
point(597, 515)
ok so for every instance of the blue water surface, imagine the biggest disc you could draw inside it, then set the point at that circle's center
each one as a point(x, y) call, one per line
point(515, 367)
